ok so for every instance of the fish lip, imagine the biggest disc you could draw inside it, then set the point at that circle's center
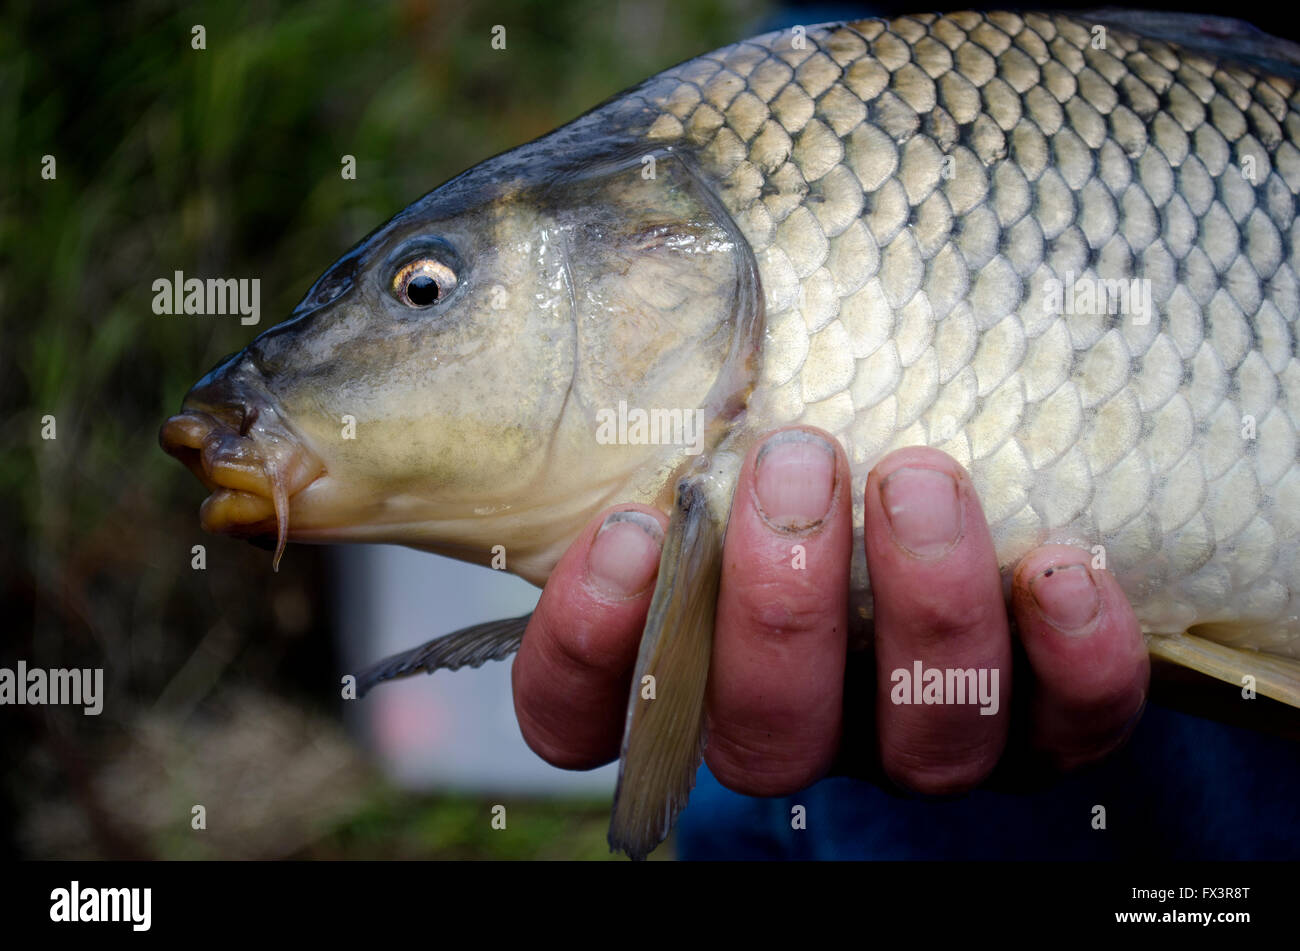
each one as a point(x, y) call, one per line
point(234, 454)
point(181, 437)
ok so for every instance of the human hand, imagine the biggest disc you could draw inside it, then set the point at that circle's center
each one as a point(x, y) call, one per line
point(776, 692)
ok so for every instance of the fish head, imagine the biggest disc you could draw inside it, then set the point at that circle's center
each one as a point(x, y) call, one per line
point(450, 383)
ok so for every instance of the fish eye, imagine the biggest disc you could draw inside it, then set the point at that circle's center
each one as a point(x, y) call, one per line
point(423, 282)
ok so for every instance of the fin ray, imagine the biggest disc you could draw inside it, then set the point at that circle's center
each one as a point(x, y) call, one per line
point(1275, 677)
point(471, 646)
point(663, 738)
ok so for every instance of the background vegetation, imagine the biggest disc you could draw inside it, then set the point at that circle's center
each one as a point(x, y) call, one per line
point(225, 162)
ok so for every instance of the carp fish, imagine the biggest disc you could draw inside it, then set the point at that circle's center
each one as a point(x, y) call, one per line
point(1062, 249)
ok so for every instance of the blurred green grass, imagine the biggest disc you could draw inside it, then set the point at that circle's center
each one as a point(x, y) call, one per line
point(225, 162)
point(401, 826)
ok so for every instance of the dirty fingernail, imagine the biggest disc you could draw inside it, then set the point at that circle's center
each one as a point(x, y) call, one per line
point(624, 557)
point(794, 480)
point(923, 510)
point(1067, 597)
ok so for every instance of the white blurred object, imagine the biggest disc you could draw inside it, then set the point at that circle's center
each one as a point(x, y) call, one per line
point(454, 729)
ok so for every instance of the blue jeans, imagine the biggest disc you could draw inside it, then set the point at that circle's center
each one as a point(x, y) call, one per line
point(1183, 788)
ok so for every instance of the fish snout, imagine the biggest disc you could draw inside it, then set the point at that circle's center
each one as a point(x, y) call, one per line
point(238, 445)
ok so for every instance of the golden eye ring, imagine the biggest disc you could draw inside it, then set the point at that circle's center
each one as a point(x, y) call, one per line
point(423, 282)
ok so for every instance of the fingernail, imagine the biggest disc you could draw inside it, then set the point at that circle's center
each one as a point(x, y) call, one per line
point(923, 510)
point(1067, 597)
point(794, 480)
point(625, 555)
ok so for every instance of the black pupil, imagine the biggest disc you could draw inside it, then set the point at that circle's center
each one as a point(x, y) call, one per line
point(422, 290)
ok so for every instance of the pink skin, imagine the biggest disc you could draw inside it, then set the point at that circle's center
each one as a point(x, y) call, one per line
point(938, 600)
point(775, 692)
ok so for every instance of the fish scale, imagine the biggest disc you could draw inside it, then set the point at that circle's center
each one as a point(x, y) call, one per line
point(905, 306)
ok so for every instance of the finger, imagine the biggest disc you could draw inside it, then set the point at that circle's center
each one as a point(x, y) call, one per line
point(1085, 646)
point(939, 611)
point(777, 676)
point(572, 674)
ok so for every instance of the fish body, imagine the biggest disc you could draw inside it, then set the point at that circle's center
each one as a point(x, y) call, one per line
point(1062, 252)
point(904, 307)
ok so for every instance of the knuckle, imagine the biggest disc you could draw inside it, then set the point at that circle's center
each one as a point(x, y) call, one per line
point(553, 738)
point(570, 722)
point(583, 649)
point(1092, 696)
point(1077, 735)
point(939, 617)
point(935, 780)
point(755, 766)
point(584, 645)
point(784, 608)
point(560, 755)
point(947, 771)
point(1078, 752)
point(1097, 688)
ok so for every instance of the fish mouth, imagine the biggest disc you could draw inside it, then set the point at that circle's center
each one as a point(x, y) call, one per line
point(253, 466)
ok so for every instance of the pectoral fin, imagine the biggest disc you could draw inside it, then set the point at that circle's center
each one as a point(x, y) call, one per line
point(663, 738)
point(469, 647)
point(1275, 677)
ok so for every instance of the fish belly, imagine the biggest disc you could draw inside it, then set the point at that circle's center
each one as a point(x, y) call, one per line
point(1069, 264)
